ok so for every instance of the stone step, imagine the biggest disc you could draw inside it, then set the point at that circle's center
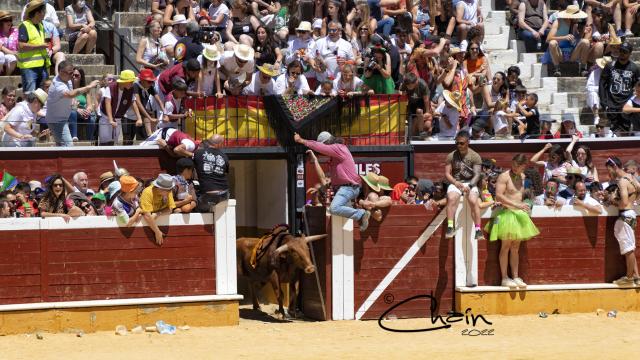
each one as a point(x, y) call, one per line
point(16, 81)
point(130, 19)
point(86, 59)
point(499, 41)
point(571, 84)
point(132, 34)
point(569, 99)
point(531, 58)
point(635, 41)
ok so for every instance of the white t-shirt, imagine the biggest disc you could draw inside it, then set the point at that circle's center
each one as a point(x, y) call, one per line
point(258, 88)
point(587, 200)
point(170, 108)
point(319, 91)
point(539, 200)
point(292, 52)
point(168, 40)
point(634, 100)
point(214, 11)
point(330, 51)
point(454, 118)
point(21, 120)
point(106, 96)
point(301, 85)
point(499, 121)
point(229, 64)
point(354, 85)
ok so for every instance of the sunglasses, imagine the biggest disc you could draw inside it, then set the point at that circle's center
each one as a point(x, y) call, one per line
point(610, 162)
point(56, 185)
point(295, 73)
point(333, 30)
point(460, 143)
point(474, 49)
point(85, 207)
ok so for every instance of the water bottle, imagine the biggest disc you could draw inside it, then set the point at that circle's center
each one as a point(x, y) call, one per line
point(539, 45)
point(164, 328)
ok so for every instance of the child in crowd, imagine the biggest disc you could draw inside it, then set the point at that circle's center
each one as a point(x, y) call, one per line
point(448, 113)
point(593, 83)
point(126, 205)
point(184, 192)
point(174, 111)
point(326, 89)
point(520, 95)
point(502, 121)
point(528, 108)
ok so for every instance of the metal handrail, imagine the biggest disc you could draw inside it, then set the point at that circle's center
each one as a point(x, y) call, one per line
point(122, 43)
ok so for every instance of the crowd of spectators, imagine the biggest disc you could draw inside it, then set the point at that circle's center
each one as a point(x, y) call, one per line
point(430, 51)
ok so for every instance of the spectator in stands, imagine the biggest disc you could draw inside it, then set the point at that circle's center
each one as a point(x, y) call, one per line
point(596, 192)
point(54, 203)
point(242, 25)
point(169, 40)
point(347, 84)
point(81, 184)
point(190, 46)
point(468, 16)
point(545, 129)
point(462, 171)
point(266, 50)
point(477, 66)
point(126, 205)
point(151, 54)
point(50, 14)
point(209, 80)
point(631, 110)
point(377, 73)
point(556, 166)
point(5, 209)
point(85, 106)
point(423, 24)
point(184, 192)
point(567, 37)
point(567, 127)
point(212, 167)
point(361, 40)
point(344, 176)
point(219, 14)
point(582, 199)
point(303, 48)
point(262, 81)
point(236, 68)
point(333, 52)
point(417, 92)
point(157, 10)
point(616, 88)
point(25, 206)
point(33, 59)
point(405, 192)
point(503, 121)
point(189, 71)
point(18, 125)
point(175, 142)
point(52, 38)
point(81, 28)
point(580, 157)
point(117, 103)
point(178, 7)
point(528, 108)
point(631, 14)
point(624, 229)
point(377, 11)
point(8, 44)
point(357, 17)
point(573, 175)
point(157, 199)
point(174, 112)
point(266, 11)
point(8, 100)
point(533, 24)
point(448, 114)
point(293, 81)
point(631, 168)
point(593, 82)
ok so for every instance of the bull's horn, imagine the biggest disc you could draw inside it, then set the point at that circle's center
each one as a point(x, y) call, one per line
point(281, 249)
point(314, 237)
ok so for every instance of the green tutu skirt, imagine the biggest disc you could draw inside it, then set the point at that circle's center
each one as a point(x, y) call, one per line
point(511, 225)
point(379, 84)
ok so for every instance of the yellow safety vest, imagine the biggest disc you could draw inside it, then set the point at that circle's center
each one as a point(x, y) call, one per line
point(34, 58)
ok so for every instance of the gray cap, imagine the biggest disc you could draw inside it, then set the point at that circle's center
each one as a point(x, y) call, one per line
point(424, 186)
point(324, 136)
point(164, 181)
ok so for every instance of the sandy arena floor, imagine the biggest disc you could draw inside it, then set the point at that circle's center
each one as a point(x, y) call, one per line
point(584, 336)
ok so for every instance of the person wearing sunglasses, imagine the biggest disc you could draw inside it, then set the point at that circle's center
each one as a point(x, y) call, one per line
point(304, 49)
point(293, 81)
point(54, 204)
point(624, 228)
point(462, 170)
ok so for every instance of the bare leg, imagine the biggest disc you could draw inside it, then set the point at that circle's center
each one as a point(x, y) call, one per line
point(81, 41)
point(617, 16)
point(462, 32)
point(554, 51)
point(453, 199)
point(11, 67)
point(514, 258)
point(632, 265)
point(91, 42)
point(472, 198)
point(504, 258)
point(581, 52)
point(596, 52)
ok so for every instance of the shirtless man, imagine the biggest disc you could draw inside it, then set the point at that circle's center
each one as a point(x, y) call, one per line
point(624, 229)
point(512, 225)
point(462, 170)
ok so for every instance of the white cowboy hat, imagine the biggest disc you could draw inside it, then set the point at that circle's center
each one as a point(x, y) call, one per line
point(603, 61)
point(453, 98)
point(211, 52)
point(304, 26)
point(179, 19)
point(243, 52)
point(41, 95)
point(572, 12)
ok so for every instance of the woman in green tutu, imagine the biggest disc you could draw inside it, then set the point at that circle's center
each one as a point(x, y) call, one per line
point(512, 224)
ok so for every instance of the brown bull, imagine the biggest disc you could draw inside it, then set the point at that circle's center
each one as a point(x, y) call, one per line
point(278, 259)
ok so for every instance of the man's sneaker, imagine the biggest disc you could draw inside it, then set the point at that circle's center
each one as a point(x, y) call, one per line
point(636, 281)
point(628, 33)
point(479, 235)
point(364, 221)
point(509, 283)
point(623, 281)
point(451, 232)
point(519, 282)
point(620, 33)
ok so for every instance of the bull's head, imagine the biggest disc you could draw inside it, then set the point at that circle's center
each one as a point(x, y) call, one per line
point(299, 250)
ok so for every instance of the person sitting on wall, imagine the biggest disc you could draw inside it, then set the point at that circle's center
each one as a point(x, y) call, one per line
point(345, 177)
point(174, 142)
point(184, 192)
point(512, 224)
point(212, 167)
point(157, 199)
point(627, 192)
point(375, 194)
point(126, 205)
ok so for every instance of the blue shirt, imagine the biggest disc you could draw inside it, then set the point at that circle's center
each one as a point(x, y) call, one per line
point(58, 106)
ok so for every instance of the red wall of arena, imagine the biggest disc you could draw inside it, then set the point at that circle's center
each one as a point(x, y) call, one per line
point(569, 250)
point(105, 263)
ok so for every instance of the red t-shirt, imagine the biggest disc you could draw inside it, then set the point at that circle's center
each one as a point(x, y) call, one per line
point(165, 78)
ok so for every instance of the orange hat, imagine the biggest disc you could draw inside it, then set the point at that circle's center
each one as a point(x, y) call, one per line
point(128, 183)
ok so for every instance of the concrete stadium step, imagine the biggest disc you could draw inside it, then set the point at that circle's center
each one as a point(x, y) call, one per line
point(569, 99)
point(132, 34)
point(16, 81)
point(635, 41)
point(8, 5)
point(494, 21)
point(571, 84)
point(85, 59)
point(130, 19)
point(499, 41)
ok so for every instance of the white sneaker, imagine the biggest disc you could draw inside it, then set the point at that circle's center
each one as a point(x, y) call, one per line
point(628, 33)
point(509, 283)
point(74, 139)
point(623, 281)
point(519, 282)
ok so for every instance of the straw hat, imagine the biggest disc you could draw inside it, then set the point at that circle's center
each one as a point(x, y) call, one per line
point(41, 95)
point(453, 98)
point(574, 171)
point(164, 182)
point(454, 51)
point(603, 61)
point(34, 4)
point(613, 37)
point(269, 70)
point(179, 19)
point(211, 53)
point(383, 182)
point(5, 15)
point(106, 176)
point(304, 26)
point(128, 184)
point(372, 180)
point(126, 76)
point(572, 12)
point(243, 52)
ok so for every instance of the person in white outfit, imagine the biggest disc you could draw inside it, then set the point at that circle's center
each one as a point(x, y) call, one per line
point(593, 82)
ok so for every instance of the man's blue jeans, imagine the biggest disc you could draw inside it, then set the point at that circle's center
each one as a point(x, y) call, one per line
point(339, 205)
point(385, 25)
point(73, 123)
point(61, 134)
point(531, 43)
point(33, 78)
